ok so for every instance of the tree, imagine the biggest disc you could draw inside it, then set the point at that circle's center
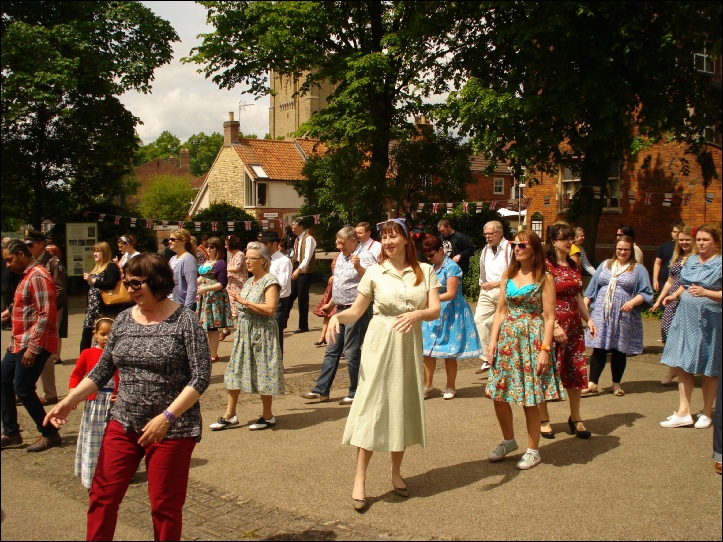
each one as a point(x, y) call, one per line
point(66, 138)
point(223, 212)
point(203, 150)
point(165, 146)
point(582, 83)
point(167, 197)
point(384, 58)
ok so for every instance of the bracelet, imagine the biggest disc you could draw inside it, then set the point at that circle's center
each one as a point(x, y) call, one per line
point(170, 417)
point(545, 347)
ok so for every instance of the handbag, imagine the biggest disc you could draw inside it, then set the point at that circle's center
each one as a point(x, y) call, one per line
point(117, 295)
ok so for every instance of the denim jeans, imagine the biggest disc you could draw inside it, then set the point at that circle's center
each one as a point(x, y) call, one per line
point(19, 380)
point(349, 340)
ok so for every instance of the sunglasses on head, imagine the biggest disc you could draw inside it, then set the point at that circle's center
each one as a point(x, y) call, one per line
point(134, 284)
point(520, 244)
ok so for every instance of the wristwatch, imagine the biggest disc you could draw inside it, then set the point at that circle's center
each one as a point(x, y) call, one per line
point(545, 347)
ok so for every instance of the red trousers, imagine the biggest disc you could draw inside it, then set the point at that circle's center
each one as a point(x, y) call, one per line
point(167, 466)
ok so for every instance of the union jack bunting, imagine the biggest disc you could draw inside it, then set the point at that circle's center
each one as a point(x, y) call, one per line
point(631, 196)
point(566, 199)
point(180, 224)
point(116, 219)
point(435, 208)
point(149, 222)
point(493, 205)
point(648, 196)
point(101, 217)
point(510, 204)
point(449, 208)
point(479, 206)
point(230, 225)
point(420, 207)
point(596, 190)
point(667, 199)
point(133, 222)
point(316, 219)
point(709, 197)
point(528, 201)
point(247, 223)
point(85, 213)
point(546, 200)
point(686, 199)
point(214, 226)
point(465, 206)
point(197, 224)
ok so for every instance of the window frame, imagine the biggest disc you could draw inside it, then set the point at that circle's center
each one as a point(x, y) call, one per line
point(501, 190)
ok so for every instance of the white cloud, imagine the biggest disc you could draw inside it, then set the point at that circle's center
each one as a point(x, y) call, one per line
point(185, 102)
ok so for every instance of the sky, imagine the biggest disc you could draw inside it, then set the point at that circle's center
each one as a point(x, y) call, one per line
point(185, 102)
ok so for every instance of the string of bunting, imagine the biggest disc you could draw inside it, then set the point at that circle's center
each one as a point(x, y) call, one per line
point(668, 198)
point(231, 225)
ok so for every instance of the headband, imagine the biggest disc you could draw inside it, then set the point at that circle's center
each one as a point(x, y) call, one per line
point(401, 221)
point(125, 239)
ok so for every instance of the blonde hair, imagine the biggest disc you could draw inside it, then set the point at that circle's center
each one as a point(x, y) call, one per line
point(677, 251)
point(105, 253)
point(188, 242)
point(629, 240)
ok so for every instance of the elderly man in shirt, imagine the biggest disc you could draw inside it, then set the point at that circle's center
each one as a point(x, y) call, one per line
point(304, 263)
point(351, 265)
point(281, 268)
point(35, 337)
point(493, 262)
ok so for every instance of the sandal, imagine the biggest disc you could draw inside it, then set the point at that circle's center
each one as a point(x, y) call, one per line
point(591, 390)
point(546, 434)
point(214, 359)
point(224, 333)
point(618, 392)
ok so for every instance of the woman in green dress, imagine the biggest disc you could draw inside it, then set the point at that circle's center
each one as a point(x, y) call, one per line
point(387, 414)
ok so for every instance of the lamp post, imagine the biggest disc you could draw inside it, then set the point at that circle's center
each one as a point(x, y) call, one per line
point(520, 186)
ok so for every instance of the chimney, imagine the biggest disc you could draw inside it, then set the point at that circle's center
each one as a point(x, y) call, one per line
point(230, 131)
point(423, 126)
point(185, 163)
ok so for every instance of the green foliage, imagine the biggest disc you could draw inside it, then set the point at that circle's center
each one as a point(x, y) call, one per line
point(167, 197)
point(67, 140)
point(470, 281)
point(223, 212)
point(203, 150)
point(165, 146)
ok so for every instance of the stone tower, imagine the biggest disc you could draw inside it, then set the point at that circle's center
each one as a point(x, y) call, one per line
point(286, 111)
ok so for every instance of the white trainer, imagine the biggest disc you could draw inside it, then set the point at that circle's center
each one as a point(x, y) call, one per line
point(704, 422)
point(677, 421)
point(449, 393)
point(503, 448)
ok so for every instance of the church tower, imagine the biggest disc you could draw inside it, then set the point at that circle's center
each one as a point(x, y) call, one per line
point(286, 111)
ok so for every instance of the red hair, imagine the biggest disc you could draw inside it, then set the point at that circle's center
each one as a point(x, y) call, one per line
point(390, 226)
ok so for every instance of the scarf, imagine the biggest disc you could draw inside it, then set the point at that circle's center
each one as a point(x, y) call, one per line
point(617, 270)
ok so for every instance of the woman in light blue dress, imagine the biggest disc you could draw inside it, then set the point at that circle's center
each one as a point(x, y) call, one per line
point(453, 335)
point(694, 339)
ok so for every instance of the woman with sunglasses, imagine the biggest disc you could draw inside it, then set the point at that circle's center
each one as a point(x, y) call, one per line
point(104, 276)
point(453, 335)
point(214, 309)
point(523, 369)
point(387, 414)
point(568, 334)
point(618, 292)
point(163, 362)
point(185, 269)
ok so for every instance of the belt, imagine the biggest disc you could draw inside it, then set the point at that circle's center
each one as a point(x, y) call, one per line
point(342, 307)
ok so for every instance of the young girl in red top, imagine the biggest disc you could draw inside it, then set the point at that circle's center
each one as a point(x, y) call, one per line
point(95, 413)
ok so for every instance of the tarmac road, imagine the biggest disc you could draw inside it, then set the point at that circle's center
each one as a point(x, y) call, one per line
point(632, 480)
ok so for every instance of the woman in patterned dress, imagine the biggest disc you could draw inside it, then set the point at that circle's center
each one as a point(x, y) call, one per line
point(102, 277)
point(237, 275)
point(695, 334)
point(523, 368)
point(619, 290)
point(256, 364)
point(453, 335)
point(570, 311)
point(683, 249)
point(214, 309)
point(387, 414)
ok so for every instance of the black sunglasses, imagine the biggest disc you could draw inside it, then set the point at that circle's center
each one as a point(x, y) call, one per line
point(134, 284)
point(172, 239)
point(520, 244)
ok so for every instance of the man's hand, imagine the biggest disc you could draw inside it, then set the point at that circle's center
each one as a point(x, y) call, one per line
point(28, 359)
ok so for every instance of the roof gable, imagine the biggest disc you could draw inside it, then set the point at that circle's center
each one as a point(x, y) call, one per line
point(280, 160)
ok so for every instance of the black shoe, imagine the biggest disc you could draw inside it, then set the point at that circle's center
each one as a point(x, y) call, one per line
point(300, 330)
point(574, 431)
point(547, 434)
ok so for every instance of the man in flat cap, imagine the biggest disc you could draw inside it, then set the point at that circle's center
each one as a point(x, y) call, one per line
point(281, 268)
point(36, 243)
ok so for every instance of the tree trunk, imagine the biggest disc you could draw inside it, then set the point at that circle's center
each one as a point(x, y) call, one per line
point(595, 171)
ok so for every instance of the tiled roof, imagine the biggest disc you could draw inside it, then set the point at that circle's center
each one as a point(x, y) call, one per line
point(281, 160)
point(198, 182)
point(479, 163)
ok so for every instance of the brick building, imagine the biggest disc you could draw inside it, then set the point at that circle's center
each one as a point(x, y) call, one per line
point(176, 166)
point(256, 175)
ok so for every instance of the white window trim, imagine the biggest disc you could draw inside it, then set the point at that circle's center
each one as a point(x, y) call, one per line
point(706, 61)
point(502, 185)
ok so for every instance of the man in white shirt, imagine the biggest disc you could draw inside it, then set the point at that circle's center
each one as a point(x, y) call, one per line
point(364, 232)
point(281, 268)
point(493, 262)
point(304, 264)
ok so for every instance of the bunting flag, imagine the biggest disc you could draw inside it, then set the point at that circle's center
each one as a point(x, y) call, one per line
point(133, 222)
point(164, 223)
point(528, 201)
point(180, 224)
point(686, 199)
point(149, 222)
point(546, 200)
point(247, 223)
point(709, 197)
point(197, 224)
point(510, 204)
point(265, 224)
point(85, 213)
point(596, 190)
point(435, 208)
point(449, 208)
point(214, 226)
point(648, 196)
point(631, 196)
point(667, 199)
point(465, 206)
point(566, 199)
point(316, 219)
point(493, 205)
point(420, 207)
point(230, 225)
point(101, 217)
point(116, 219)
point(479, 206)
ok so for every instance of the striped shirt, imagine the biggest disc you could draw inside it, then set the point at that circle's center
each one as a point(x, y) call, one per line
point(35, 321)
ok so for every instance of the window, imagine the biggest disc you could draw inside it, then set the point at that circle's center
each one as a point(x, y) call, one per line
point(709, 134)
point(611, 193)
point(703, 62)
point(499, 185)
point(570, 181)
point(261, 191)
point(256, 193)
point(536, 223)
point(259, 171)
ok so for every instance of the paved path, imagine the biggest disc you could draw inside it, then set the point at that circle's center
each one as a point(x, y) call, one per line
point(632, 480)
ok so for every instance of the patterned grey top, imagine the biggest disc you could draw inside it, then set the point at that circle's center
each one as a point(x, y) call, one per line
point(155, 362)
point(346, 279)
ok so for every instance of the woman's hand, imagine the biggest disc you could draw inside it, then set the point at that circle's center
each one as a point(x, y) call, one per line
point(405, 322)
point(491, 351)
point(233, 296)
point(656, 305)
point(543, 362)
point(154, 431)
point(58, 415)
point(696, 291)
point(591, 328)
point(669, 299)
point(629, 306)
point(332, 330)
point(559, 335)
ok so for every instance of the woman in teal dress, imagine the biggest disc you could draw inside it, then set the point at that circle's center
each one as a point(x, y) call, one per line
point(214, 309)
point(524, 371)
point(256, 364)
point(453, 335)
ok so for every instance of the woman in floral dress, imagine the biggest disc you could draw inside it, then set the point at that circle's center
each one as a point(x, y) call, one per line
point(683, 249)
point(256, 364)
point(523, 366)
point(214, 309)
point(570, 311)
point(326, 308)
point(237, 275)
